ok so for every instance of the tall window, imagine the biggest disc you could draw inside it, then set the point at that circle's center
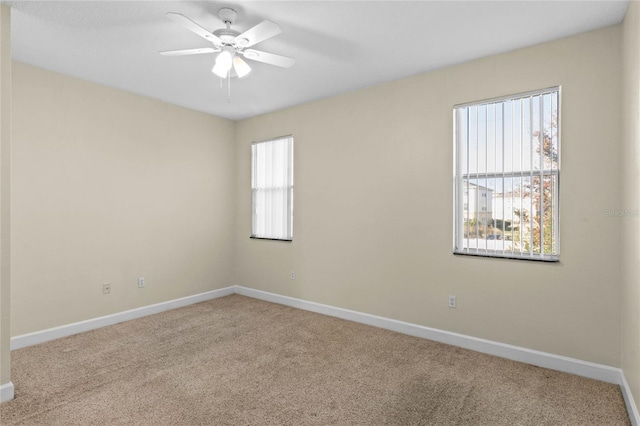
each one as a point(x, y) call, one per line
point(272, 189)
point(507, 169)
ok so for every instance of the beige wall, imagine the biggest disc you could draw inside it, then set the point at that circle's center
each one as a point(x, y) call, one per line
point(107, 187)
point(373, 205)
point(5, 143)
point(631, 229)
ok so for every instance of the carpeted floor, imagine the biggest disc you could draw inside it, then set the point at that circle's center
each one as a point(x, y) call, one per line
point(240, 361)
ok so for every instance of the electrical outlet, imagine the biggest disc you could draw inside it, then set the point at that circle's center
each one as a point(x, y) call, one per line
point(452, 301)
point(141, 282)
point(293, 275)
point(106, 288)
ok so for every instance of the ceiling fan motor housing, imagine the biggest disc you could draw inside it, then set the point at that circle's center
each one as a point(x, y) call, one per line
point(228, 36)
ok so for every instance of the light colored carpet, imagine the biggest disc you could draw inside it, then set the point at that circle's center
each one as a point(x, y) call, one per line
point(240, 361)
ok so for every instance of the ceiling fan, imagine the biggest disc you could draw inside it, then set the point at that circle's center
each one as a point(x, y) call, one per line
point(232, 44)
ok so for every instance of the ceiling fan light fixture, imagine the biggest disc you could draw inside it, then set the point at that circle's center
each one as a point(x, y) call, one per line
point(225, 57)
point(224, 61)
point(220, 71)
point(241, 67)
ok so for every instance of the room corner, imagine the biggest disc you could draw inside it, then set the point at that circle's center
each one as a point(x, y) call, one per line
point(6, 387)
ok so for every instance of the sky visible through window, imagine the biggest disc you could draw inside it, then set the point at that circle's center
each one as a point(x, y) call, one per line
point(502, 137)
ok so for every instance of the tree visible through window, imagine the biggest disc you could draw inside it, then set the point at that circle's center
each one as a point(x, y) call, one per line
point(507, 176)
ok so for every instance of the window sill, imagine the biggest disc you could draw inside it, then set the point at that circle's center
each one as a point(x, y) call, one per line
point(271, 239)
point(495, 256)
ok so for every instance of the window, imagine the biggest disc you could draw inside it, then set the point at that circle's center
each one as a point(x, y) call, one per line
point(272, 189)
point(507, 171)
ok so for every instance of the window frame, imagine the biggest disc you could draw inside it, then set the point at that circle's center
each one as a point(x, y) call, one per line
point(460, 191)
point(290, 189)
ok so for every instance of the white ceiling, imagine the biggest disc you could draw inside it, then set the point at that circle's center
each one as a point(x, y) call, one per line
point(339, 46)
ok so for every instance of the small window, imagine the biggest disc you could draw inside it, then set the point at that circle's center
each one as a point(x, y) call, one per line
point(507, 153)
point(272, 189)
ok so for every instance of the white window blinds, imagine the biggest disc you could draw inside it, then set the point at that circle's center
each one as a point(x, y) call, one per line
point(507, 176)
point(272, 189)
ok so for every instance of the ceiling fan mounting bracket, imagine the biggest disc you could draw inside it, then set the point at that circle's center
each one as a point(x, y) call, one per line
point(227, 15)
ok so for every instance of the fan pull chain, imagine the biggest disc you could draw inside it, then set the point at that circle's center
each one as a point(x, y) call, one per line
point(229, 86)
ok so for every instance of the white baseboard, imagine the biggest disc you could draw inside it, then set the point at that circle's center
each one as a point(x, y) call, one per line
point(30, 339)
point(632, 408)
point(6, 392)
point(516, 353)
point(542, 359)
point(578, 367)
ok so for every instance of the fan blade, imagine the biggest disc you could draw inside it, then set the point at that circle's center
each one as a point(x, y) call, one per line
point(193, 27)
point(261, 32)
point(182, 52)
point(268, 58)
